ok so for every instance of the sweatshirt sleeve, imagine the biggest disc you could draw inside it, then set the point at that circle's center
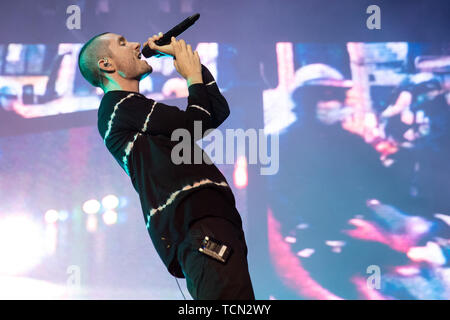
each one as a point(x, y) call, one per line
point(139, 114)
point(219, 105)
point(205, 104)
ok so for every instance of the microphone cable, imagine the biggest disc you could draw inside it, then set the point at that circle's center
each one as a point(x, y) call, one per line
point(180, 288)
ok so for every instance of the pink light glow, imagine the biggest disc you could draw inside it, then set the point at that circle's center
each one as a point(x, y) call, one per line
point(370, 231)
point(365, 291)
point(240, 173)
point(289, 267)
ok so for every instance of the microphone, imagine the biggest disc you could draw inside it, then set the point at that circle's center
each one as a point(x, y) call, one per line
point(174, 32)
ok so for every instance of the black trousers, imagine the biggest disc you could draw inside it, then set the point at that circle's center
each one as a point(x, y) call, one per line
point(210, 279)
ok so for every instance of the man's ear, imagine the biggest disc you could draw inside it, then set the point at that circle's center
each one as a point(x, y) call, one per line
point(106, 65)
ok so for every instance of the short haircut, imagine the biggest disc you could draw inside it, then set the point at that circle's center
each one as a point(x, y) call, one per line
point(90, 53)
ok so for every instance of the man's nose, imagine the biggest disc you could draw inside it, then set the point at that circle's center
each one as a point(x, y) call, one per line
point(137, 45)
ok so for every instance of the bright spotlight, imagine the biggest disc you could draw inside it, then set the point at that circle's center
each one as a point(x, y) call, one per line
point(110, 202)
point(91, 206)
point(110, 217)
point(22, 244)
point(51, 216)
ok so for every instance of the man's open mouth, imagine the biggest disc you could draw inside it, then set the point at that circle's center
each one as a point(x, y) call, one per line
point(139, 56)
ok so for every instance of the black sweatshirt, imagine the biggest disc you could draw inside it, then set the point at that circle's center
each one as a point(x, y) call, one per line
point(137, 131)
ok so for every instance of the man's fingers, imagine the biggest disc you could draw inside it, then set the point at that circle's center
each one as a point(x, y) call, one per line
point(184, 51)
point(155, 37)
point(175, 45)
point(182, 44)
point(151, 40)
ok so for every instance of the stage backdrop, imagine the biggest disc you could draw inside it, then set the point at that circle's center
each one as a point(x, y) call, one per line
point(356, 123)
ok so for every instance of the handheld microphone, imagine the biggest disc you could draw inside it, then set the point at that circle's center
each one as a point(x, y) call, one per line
point(174, 32)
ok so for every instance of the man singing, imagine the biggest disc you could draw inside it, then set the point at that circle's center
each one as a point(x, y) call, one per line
point(182, 203)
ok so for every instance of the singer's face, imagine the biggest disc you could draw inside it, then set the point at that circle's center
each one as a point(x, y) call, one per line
point(127, 58)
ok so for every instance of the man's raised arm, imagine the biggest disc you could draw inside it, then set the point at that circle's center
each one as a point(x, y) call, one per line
point(219, 105)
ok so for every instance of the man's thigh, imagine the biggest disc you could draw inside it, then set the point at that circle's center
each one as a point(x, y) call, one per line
point(208, 278)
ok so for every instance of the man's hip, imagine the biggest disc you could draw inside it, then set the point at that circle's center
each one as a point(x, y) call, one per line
point(207, 277)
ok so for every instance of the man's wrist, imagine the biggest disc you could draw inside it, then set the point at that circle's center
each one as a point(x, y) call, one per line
point(194, 79)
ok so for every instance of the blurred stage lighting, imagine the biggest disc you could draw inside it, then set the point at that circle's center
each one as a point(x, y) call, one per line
point(22, 244)
point(28, 288)
point(63, 215)
point(92, 223)
point(51, 216)
point(123, 201)
point(110, 217)
point(110, 202)
point(240, 173)
point(91, 206)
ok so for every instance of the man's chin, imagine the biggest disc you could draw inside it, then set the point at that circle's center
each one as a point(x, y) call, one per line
point(148, 71)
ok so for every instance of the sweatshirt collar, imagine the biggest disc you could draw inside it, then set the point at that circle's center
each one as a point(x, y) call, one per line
point(125, 92)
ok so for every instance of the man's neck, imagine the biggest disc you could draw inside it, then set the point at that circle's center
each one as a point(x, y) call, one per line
point(130, 85)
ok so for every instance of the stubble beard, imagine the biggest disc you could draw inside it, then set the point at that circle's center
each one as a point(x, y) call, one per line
point(137, 70)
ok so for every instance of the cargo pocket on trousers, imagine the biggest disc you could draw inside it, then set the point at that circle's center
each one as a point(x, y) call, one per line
point(192, 261)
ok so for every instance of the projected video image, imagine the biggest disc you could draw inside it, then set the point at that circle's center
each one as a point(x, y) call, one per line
point(44, 80)
point(256, 150)
point(363, 180)
point(72, 198)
